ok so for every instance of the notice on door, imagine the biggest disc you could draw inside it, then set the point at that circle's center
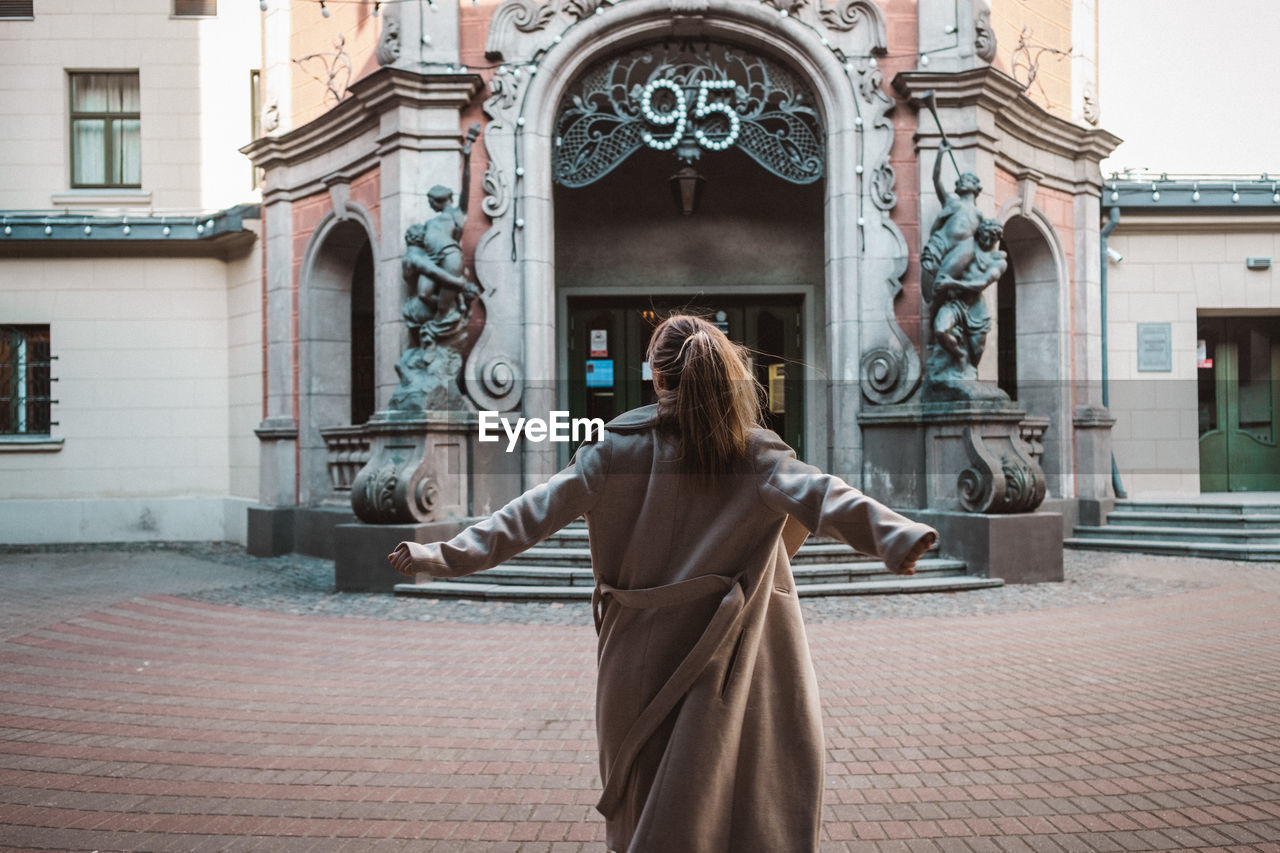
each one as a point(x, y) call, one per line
point(600, 373)
point(599, 343)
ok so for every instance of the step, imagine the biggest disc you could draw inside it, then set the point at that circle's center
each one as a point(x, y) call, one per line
point(513, 573)
point(562, 553)
point(1195, 535)
point(503, 592)
point(1191, 507)
point(1163, 546)
point(1202, 519)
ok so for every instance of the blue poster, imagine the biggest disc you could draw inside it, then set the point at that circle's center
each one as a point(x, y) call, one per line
point(599, 373)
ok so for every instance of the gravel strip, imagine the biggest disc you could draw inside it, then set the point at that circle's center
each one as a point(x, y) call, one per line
point(301, 585)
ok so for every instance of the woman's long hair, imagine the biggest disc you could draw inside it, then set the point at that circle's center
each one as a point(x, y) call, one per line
point(708, 394)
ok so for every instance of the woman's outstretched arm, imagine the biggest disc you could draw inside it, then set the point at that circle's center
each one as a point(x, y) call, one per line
point(521, 524)
point(828, 506)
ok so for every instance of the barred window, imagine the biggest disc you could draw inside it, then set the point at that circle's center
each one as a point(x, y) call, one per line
point(26, 381)
point(106, 130)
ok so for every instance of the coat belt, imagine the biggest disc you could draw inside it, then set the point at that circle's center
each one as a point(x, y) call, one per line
point(727, 617)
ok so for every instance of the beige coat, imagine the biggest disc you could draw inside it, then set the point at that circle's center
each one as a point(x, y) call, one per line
point(707, 708)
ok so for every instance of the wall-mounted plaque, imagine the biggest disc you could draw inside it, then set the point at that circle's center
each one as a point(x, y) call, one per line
point(1155, 347)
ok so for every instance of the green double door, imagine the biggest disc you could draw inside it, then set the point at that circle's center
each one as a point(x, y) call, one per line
point(608, 336)
point(1239, 390)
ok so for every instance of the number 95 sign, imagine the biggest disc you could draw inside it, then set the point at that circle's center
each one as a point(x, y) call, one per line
point(678, 114)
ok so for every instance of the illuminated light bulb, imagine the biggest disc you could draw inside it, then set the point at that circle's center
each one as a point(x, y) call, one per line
point(324, 10)
point(924, 60)
point(125, 230)
point(165, 231)
point(8, 230)
point(88, 229)
point(48, 229)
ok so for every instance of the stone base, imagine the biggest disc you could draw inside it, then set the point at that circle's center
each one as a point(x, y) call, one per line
point(276, 530)
point(270, 531)
point(1020, 548)
point(360, 552)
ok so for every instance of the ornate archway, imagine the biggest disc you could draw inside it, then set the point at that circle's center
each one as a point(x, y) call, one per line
point(544, 47)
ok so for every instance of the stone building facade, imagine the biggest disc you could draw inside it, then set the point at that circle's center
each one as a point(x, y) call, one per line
point(800, 237)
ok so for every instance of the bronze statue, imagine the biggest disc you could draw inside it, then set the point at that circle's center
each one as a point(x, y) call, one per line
point(951, 238)
point(961, 319)
point(440, 294)
point(439, 303)
point(960, 260)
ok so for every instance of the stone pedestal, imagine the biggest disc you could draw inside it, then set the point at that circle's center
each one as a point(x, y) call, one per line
point(419, 470)
point(360, 552)
point(1023, 548)
point(974, 457)
point(965, 468)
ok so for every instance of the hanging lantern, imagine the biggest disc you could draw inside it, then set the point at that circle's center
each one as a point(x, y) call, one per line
point(686, 188)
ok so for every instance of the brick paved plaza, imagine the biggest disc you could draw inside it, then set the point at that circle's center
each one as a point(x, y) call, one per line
point(136, 717)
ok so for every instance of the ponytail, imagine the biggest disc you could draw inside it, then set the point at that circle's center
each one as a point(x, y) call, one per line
point(709, 397)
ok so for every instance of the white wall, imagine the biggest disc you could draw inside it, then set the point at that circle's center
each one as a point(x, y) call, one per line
point(159, 388)
point(1173, 268)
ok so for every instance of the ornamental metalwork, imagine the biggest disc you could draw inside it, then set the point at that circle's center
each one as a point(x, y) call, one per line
point(687, 99)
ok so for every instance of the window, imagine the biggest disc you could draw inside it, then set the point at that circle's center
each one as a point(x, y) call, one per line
point(106, 130)
point(17, 9)
point(195, 8)
point(25, 380)
point(255, 117)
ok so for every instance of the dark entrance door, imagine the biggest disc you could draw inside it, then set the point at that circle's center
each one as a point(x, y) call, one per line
point(1239, 389)
point(608, 336)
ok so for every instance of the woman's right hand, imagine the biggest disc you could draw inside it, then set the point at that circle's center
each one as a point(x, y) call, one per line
point(405, 555)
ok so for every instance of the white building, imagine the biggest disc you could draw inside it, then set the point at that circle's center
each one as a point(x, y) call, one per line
point(129, 244)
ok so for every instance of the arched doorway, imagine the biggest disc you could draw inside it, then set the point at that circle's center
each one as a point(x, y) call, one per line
point(688, 177)
point(858, 350)
point(336, 347)
point(1031, 339)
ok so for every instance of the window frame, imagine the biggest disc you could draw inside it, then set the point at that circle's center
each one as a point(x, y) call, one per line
point(174, 13)
point(16, 378)
point(108, 118)
point(12, 14)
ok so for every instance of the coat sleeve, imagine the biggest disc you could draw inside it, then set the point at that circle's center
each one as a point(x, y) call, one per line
point(525, 521)
point(828, 506)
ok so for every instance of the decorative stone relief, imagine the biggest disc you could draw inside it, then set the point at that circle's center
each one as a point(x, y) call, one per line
point(1092, 110)
point(389, 42)
point(1003, 477)
point(844, 16)
point(984, 41)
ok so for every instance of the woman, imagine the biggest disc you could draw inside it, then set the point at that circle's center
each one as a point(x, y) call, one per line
point(707, 710)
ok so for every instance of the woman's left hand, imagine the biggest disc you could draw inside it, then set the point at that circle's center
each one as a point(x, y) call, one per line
point(402, 559)
point(918, 551)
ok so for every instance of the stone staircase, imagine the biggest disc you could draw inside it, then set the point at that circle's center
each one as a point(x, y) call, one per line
point(560, 569)
point(1223, 526)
